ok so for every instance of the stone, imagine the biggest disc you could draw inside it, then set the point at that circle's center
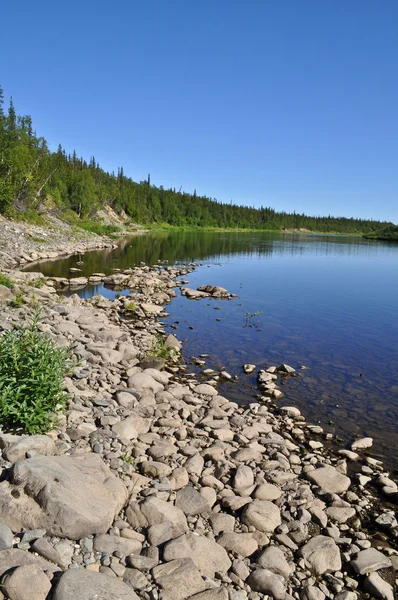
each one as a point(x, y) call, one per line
point(191, 502)
point(205, 389)
point(310, 592)
point(340, 514)
point(378, 587)
point(15, 447)
point(195, 464)
point(5, 293)
point(321, 555)
point(178, 579)
point(221, 522)
point(273, 559)
point(113, 543)
point(263, 515)
point(241, 543)
point(45, 549)
point(135, 579)
point(155, 469)
point(243, 477)
point(6, 537)
point(68, 496)
point(362, 444)
point(27, 583)
point(329, 480)
point(267, 491)
point(179, 478)
point(142, 563)
point(370, 560)
point(143, 381)
point(220, 593)
point(14, 557)
point(89, 585)
point(157, 511)
point(208, 556)
point(266, 582)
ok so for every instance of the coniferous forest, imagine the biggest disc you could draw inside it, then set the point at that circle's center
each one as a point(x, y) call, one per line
point(32, 177)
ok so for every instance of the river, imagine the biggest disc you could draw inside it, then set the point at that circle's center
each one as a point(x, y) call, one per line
point(325, 302)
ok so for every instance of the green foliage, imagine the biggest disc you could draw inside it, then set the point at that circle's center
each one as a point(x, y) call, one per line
point(387, 233)
point(17, 301)
point(32, 369)
point(99, 228)
point(6, 281)
point(130, 307)
point(159, 349)
point(37, 283)
point(252, 319)
point(30, 173)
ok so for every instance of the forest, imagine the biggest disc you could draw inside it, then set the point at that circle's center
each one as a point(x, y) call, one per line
point(34, 178)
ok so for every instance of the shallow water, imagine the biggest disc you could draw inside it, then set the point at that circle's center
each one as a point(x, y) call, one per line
point(326, 302)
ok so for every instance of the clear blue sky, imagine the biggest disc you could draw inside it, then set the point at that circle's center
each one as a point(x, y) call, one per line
point(286, 103)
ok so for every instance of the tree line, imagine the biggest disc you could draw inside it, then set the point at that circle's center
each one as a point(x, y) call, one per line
point(31, 175)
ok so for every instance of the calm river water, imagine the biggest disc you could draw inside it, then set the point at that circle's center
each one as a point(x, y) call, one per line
point(327, 302)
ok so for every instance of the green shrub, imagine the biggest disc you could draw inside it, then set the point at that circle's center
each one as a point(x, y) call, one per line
point(98, 228)
point(160, 350)
point(130, 306)
point(17, 301)
point(5, 280)
point(32, 370)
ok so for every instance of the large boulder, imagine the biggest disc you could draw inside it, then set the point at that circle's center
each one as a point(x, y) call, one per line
point(27, 583)
point(263, 515)
point(69, 496)
point(329, 480)
point(88, 585)
point(321, 555)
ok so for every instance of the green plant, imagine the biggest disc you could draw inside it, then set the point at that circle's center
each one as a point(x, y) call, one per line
point(37, 283)
point(159, 348)
point(127, 458)
point(32, 370)
point(38, 240)
point(6, 281)
point(130, 306)
point(17, 301)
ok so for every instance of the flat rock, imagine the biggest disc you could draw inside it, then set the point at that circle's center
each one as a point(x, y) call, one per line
point(208, 556)
point(220, 593)
point(68, 496)
point(329, 480)
point(143, 381)
point(88, 585)
point(158, 511)
point(205, 389)
point(191, 502)
point(178, 579)
point(6, 537)
point(370, 560)
point(321, 554)
point(27, 583)
point(362, 444)
point(267, 491)
point(263, 515)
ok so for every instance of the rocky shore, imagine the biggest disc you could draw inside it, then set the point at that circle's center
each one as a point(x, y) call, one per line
point(21, 243)
point(156, 487)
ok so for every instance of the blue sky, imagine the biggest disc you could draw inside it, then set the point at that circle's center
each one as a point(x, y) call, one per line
point(290, 104)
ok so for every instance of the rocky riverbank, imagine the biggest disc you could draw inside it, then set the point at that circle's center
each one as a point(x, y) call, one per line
point(22, 243)
point(155, 486)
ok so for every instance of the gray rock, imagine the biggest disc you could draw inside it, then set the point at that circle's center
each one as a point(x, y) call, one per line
point(321, 554)
point(178, 579)
point(6, 537)
point(241, 543)
point(27, 583)
point(267, 582)
point(142, 563)
point(68, 496)
point(205, 389)
point(143, 381)
point(16, 447)
point(267, 491)
point(310, 592)
point(88, 585)
point(243, 477)
point(46, 550)
point(378, 587)
point(191, 502)
point(329, 480)
point(9, 559)
point(370, 560)
point(221, 522)
point(208, 556)
point(158, 511)
point(135, 579)
point(274, 560)
point(220, 593)
point(362, 444)
point(195, 464)
point(113, 543)
point(263, 515)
